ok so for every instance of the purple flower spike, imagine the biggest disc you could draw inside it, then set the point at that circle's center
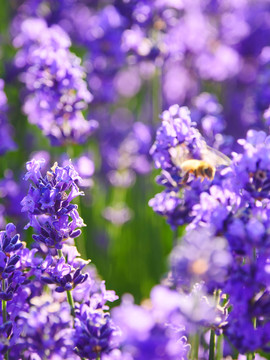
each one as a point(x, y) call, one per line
point(6, 143)
point(64, 275)
point(177, 128)
point(155, 331)
point(54, 79)
point(94, 332)
point(48, 205)
point(201, 257)
point(252, 167)
point(5, 337)
point(177, 141)
point(13, 277)
point(46, 330)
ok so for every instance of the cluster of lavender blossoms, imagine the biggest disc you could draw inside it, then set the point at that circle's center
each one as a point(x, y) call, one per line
point(226, 245)
point(53, 305)
point(205, 66)
point(7, 142)
point(57, 93)
point(128, 45)
point(154, 329)
point(48, 203)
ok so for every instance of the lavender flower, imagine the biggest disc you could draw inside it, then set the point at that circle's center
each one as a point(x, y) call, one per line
point(63, 275)
point(201, 257)
point(173, 208)
point(105, 54)
point(238, 210)
point(12, 191)
point(209, 116)
point(199, 310)
point(95, 290)
point(28, 264)
point(12, 282)
point(247, 309)
point(177, 138)
point(152, 333)
point(9, 334)
point(7, 143)
point(251, 167)
point(216, 207)
point(176, 129)
point(85, 167)
point(46, 330)
point(5, 332)
point(48, 203)
point(55, 83)
point(124, 148)
point(11, 275)
point(117, 215)
point(231, 239)
point(94, 332)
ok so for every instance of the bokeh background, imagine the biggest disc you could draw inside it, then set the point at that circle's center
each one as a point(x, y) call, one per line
point(139, 57)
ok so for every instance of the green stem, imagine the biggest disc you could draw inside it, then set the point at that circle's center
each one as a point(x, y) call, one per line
point(175, 237)
point(69, 295)
point(70, 152)
point(71, 302)
point(4, 309)
point(60, 254)
point(220, 347)
point(4, 304)
point(4, 313)
point(195, 342)
point(212, 346)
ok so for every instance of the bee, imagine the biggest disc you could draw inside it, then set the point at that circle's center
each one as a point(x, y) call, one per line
point(211, 160)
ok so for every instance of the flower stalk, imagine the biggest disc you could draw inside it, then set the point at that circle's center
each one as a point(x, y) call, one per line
point(69, 295)
point(220, 347)
point(4, 304)
point(212, 345)
point(195, 342)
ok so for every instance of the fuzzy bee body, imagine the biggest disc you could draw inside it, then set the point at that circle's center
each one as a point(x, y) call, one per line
point(211, 159)
point(199, 168)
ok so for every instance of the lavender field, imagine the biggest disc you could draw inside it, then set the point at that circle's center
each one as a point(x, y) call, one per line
point(135, 179)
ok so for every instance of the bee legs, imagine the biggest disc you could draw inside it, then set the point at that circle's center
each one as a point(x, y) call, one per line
point(185, 178)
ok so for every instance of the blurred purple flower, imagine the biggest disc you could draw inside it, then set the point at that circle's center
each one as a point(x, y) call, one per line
point(6, 129)
point(201, 256)
point(85, 167)
point(117, 215)
point(151, 332)
point(124, 148)
point(57, 92)
point(46, 330)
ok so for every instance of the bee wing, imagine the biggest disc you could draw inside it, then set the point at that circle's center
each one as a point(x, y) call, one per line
point(215, 157)
point(179, 154)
